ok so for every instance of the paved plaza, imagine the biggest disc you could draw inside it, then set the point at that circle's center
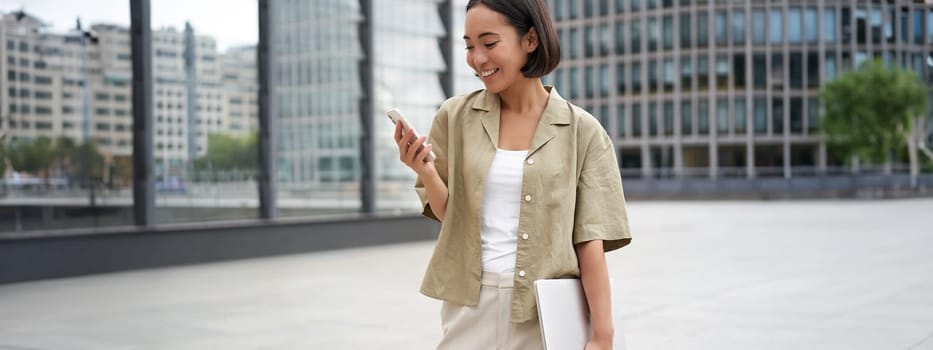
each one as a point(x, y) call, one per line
point(834, 274)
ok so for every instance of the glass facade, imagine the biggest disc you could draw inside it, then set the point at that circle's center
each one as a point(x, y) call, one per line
point(735, 71)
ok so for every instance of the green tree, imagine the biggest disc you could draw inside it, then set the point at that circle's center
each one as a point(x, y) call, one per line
point(227, 152)
point(32, 156)
point(2, 158)
point(872, 112)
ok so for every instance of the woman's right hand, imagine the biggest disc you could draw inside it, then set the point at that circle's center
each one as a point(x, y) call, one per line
point(410, 155)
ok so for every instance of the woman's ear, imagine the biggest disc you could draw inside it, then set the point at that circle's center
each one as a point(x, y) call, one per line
point(530, 41)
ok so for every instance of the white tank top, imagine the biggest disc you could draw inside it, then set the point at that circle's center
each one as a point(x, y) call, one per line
point(501, 205)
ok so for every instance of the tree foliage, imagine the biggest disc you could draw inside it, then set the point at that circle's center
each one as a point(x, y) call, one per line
point(869, 112)
point(228, 152)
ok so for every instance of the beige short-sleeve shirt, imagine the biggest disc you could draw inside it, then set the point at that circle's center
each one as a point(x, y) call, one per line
point(571, 193)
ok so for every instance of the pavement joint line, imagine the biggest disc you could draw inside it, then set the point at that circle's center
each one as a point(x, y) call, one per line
point(921, 342)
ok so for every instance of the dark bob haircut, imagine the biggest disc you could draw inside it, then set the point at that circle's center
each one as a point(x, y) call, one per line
point(523, 15)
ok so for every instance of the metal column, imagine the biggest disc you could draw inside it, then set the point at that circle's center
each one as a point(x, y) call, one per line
point(143, 185)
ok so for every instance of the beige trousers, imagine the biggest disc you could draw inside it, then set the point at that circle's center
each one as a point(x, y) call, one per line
point(487, 325)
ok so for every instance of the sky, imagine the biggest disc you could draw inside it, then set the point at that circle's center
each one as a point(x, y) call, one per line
point(230, 22)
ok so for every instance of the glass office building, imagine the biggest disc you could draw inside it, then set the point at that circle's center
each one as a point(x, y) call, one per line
point(319, 89)
point(720, 89)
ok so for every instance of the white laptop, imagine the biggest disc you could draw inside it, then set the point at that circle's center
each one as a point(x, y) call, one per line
point(565, 317)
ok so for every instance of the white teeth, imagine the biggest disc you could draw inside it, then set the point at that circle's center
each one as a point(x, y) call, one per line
point(489, 72)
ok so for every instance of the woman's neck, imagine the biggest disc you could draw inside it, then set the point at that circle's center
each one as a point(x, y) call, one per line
point(523, 96)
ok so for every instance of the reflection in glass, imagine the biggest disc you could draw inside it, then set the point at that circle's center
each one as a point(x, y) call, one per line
point(794, 25)
point(738, 64)
point(722, 28)
point(760, 71)
point(761, 115)
point(738, 27)
point(686, 31)
point(758, 26)
point(811, 27)
point(722, 116)
point(703, 117)
point(636, 35)
point(653, 118)
point(668, 32)
point(604, 80)
point(703, 73)
point(620, 78)
point(777, 116)
point(702, 29)
point(668, 118)
point(620, 120)
point(830, 66)
point(636, 77)
point(620, 38)
point(876, 25)
point(636, 119)
point(686, 73)
point(739, 106)
point(796, 115)
point(669, 75)
point(686, 118)
point(829, 24)
point(776, 23)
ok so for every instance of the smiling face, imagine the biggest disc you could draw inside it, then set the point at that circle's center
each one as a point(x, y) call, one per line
point(495, 50)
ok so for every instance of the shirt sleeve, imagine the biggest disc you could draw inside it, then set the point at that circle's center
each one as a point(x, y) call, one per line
point(600, 212)
point(438, 138)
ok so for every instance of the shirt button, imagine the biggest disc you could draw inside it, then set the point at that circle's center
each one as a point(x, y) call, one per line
point(524, 236)
point(521, 273)
point(528, 198)
point(531, 161)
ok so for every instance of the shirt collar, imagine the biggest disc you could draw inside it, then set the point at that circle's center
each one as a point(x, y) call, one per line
point(555, 113)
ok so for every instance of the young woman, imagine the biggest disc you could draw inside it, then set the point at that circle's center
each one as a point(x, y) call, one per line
point(525, 184)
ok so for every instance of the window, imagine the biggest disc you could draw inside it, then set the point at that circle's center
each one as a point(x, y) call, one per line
point(42, 80)
point(703, 72)
point(813, 114)
point(43, 95)
point(43, 110)
point(102, 111)
point(702, 29)
point(669, 75)
point(861, 25)
point(620, 6)
point(777, 116)
point(738, 70)
point(796, 70)
point(813, 69)
point(620, 37)
point(668, 32)
point(739, 106)
point(603, 80)
point(653, 76)
point(777, 70)
point(574, 49)
point(703, 117)
point(636, 36)
point(558, 9)
point(620, 78)
point(604, 40)
point(876, 25)
point(794, 25)
point(738, 27)
point(620, 120)
point(830, 66)
point(796, 115)
point(758, 26)
point(636, 120)
point(811, 27)
point(686, 31)
point(102, 96)
point(686, 118)
point(686, 73)
point(636, 77)
point(761, 115)
point(102, 127)
point(653, 118)
point(574, 83)
point(722, 116)
point(722, 28)
point(588, 41)
point(918, 27)
point(776, 23)
point(654, 34)
point(722, 72)
point(590, 79)
point(668, 118)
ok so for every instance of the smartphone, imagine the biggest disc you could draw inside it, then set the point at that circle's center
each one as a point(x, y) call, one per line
point(395, 115)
